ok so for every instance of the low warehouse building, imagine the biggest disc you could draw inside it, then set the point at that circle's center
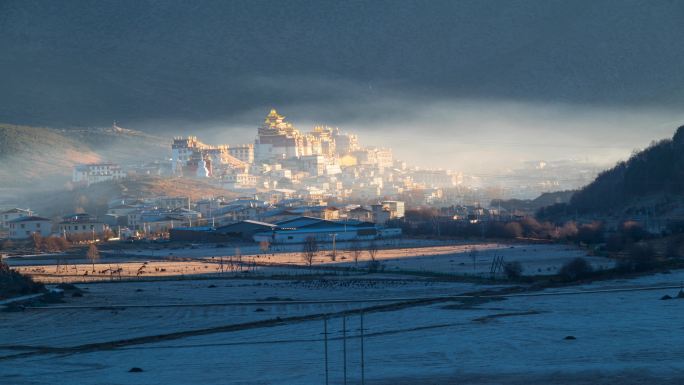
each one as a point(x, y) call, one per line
point(300, 229)
point(295, 230)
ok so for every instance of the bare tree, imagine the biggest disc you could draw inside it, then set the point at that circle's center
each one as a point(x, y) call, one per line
point(355, 250)
point(231, 263)
point(8, 244)
point(54, 244)
point(373, 264)
point(473, 255)
point(264, 246)
point(107, 234)
point(62, 243)
point(309, 251)
point(238, 259)
point(50, 244)
point(93, 254)
point(372, 250)
point(37, 242)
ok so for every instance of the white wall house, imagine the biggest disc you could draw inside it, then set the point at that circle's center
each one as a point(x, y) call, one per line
point(12, 214)
point(24, 227)
point(96, 173)
point(81, 224)
point(239, 181)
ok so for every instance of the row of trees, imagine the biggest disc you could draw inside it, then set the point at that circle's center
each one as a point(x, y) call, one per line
point(310, 249)
point(52, 244)
point(49, 244)
point(524, 228)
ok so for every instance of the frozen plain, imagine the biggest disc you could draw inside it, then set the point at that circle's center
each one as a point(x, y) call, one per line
point(624, 337)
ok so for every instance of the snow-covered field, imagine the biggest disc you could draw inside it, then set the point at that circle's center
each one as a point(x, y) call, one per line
point(625, 337)
point(454, 259)
point(101, 321)
point(476, 259)
point(269, 329)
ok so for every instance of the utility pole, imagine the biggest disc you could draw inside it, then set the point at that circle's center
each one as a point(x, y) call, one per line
point(325, 339)
point(363, 366)
point(344, 347)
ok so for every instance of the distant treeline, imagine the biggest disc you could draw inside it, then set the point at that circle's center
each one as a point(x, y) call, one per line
point(629, 237)
point(426, 222)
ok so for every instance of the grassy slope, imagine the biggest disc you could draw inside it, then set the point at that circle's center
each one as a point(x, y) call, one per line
point(29, 154)
point(94, 199)
point(37, 162)
point(44, 157)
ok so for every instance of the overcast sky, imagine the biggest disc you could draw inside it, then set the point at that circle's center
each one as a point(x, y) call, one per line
point(445, 83)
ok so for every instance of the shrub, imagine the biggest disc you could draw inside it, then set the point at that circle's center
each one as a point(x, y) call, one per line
point(615, 242)
point(14, 283)
point(8, 244)
point(513, 230)
point(568, 230)
point(633, 231)
point(54, 244)
point(675, 247)
point(640, 257)
point(374, 265)
point(513, 270)
point(576, 269)
point(590, 233)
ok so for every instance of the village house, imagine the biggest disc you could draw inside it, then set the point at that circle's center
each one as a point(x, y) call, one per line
point(24, 227)
point(81, 225)
point(12, 214)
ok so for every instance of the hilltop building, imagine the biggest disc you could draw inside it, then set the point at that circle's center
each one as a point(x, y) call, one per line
point(192, 158)
point(244, 152)
point(324, 164)
point(97, 172)
point(279, 139)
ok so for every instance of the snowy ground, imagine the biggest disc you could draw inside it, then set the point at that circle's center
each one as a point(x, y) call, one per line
point(95, 320)
point(454, 259)
point(628, 337)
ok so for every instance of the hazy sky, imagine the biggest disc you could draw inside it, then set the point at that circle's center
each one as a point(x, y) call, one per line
point(444, 82)
point(478, 136)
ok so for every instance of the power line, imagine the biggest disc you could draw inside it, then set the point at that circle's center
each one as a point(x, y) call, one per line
point(360, 301)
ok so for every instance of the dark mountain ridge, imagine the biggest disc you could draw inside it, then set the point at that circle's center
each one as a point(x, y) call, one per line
point(650, 182)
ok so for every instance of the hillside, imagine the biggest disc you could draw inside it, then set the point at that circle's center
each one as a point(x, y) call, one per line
point(95, 198)
point(41, 157)
point(532, 205)
point(651, 182)
point(29, 154)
